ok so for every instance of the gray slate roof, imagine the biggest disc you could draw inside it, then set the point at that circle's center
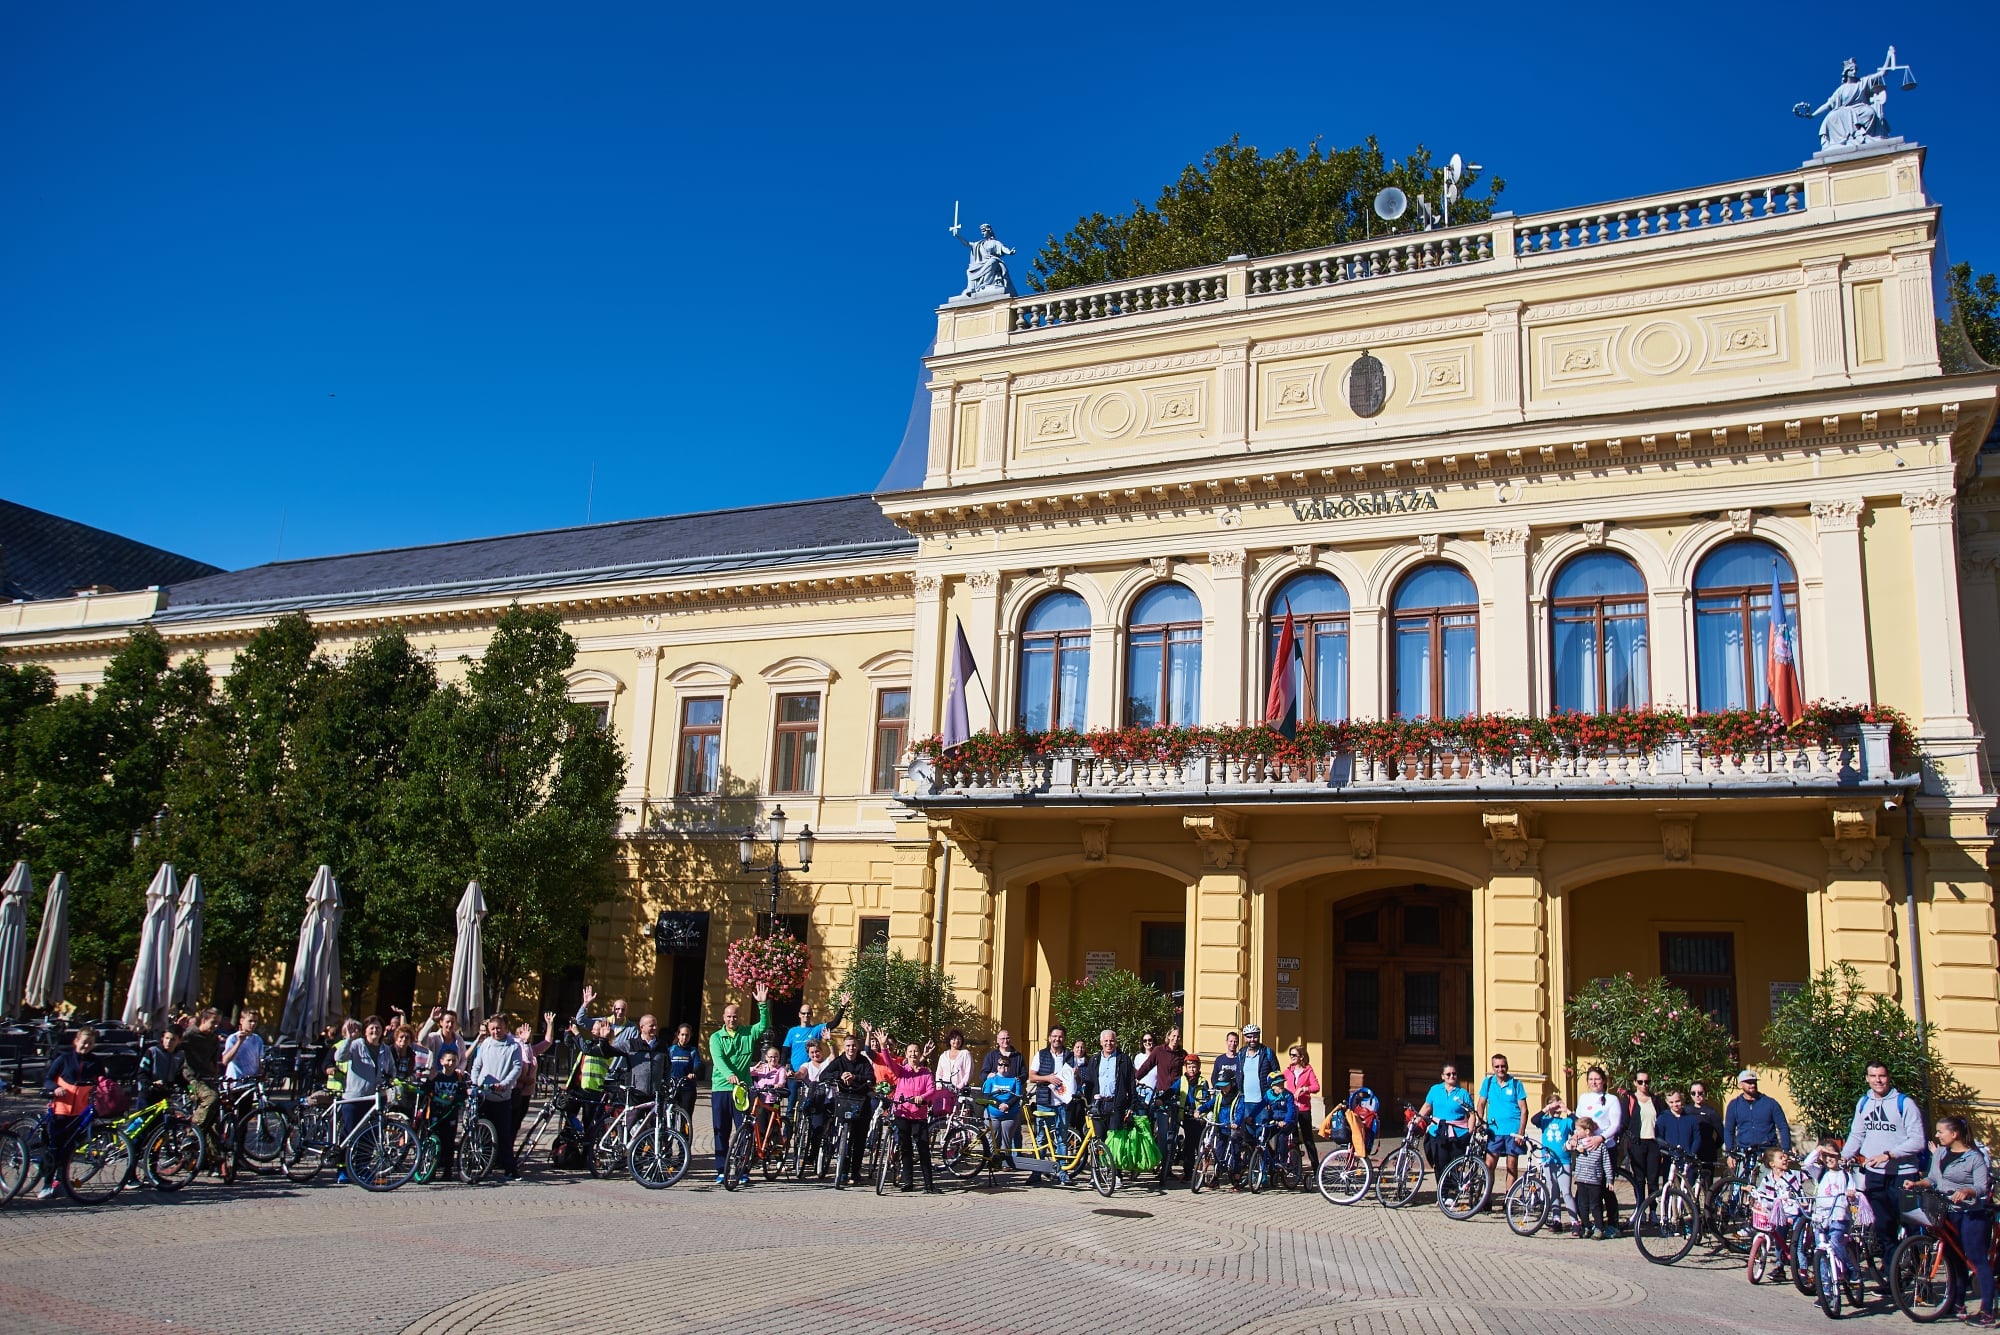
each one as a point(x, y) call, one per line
point(790, 533)
point(46, 556)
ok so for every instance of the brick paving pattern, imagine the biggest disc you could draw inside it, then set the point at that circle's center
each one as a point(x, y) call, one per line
point(560, 1252)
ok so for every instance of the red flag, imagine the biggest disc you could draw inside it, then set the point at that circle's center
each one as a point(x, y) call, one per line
point(1281, 706)
point(1782, 669)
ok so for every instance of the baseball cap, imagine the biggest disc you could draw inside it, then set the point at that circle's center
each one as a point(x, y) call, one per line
point(1746, 1074)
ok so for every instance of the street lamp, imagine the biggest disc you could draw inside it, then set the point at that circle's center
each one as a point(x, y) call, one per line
point(746, 852)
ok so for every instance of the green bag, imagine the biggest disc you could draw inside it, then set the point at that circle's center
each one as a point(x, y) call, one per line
point(1132, 1150)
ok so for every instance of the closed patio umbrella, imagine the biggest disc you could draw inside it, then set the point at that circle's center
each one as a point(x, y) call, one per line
point(48, 975)
point(313, 1000)
point(14, 898)
point(184, 953)
point(468, 966)
point(146, 998)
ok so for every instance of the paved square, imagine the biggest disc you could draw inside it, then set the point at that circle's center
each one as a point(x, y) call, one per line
point(564, 1253)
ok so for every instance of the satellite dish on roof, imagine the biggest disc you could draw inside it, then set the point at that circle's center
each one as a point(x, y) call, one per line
point(1390, 203)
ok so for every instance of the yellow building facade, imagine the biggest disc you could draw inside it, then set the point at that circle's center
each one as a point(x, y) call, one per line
point(1525, 466)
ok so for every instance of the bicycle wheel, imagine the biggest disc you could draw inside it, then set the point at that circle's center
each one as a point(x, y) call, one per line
point(1401, 1177)
point(1827, 1283)
point(1103, 1172)
point(1920, 1280)
point(1345, 1176)
point(15, 1163)
point(383, 1155)
point(963, 1153)
point(1464, 1187)
point(97, 1168)
point(536, 1129)
point(842, 1139)
point(260, 1137)
point(1729, 1215)
point(774, 1156)
point(885, 1170)
point(1664, 1228)
point(607, 1152)
point(1763, 1254)
point(1526, 1205)
point(1205, 1166)
point(173, 1154)
point(304, 1150)
point(801, 1160)
point(1805, 1275)
point(1257, 1175)
point(659, 1156)
point(427, 1160)
point(478, 1150)
point(736, 1172)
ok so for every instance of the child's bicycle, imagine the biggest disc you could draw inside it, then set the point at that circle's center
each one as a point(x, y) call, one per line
point(1775, 1213)
point(1840, 1251)
point(1535, 1199)
point(763, 1140)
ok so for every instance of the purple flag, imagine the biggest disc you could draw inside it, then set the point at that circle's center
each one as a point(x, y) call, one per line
point(957, 724)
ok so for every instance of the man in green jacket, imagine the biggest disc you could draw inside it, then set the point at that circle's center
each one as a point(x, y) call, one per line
point(732, 1052)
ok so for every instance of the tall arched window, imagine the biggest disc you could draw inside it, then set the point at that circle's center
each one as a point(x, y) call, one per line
point(1598, 616)
point(1055, 662)
point(1732, 622)
point(1436, 610)
point(1318, 605)
point(1163, 658)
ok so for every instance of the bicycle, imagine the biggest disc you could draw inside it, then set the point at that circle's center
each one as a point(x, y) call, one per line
point(900, 1128)
point(1666, 1225)
point(1401, 1174)
point(166, 1148)
point(1927, 1269)
point(1728, 1206)
point(656, 1153)
point(380, 1151)
point(1055, 1149)
point(1535, 1199)
point(1345, 1171)
point(1465, 1185)
point(14, 1164)
point(848, 1110)
point(960, 1145)
point(1278, 1157)
point(476, 1139)
point(1775, 1215)
point(95, 1156)
point(1164, 1109)
point(762, 1139)
point(1840, 1260)
point(559, 1114)
point(612, 1152)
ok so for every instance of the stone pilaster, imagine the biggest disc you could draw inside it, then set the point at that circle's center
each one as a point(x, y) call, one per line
point(1511, 942)
point(967, 902)
point(1844, 611)
point(1857, 921)
point(927, 642)
point(1940, 645)
point(645, 698)
point(912, 889)
point(982, 632)
point(1503, 356)
point(1826, 327)
point(1507, 656)
point(1223, 652)
point(1220, 982)
point(1960, 957)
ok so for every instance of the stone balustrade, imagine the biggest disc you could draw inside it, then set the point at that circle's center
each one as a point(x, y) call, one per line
point(1855, 758)
point(1661, 215)
point(1076, 305)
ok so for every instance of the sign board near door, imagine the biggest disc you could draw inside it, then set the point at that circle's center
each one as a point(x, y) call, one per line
point(1096, 962)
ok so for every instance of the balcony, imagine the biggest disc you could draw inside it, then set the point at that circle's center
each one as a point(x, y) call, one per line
point(1694, 764)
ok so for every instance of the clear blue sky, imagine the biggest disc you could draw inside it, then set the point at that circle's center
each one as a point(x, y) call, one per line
point(401, 274)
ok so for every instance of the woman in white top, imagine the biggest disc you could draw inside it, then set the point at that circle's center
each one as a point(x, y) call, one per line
point(1603, 1108)
point(954, 1064)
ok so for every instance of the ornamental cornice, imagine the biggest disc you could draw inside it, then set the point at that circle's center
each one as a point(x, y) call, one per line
point(1929, 506)
point(1507, 541)
point(1387, 333)
point(1226, 560)
point(1665, 296)
point(1180, 361)
point(1871, 267)
point(1837, 516)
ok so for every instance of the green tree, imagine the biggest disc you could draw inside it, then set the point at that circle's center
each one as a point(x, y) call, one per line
point(1236, 201)
point(514, 784)
point(1826, 1036)
point(1116, 999)
point(24, 692)
point(912, 1001)
point(1652, 1026)
point(1976, 304)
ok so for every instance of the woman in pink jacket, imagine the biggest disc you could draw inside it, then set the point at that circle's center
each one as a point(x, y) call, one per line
point(915, 1095)
point(1304, 1083)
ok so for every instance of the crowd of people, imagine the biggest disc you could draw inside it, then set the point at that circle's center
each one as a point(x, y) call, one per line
point(1633, 1134)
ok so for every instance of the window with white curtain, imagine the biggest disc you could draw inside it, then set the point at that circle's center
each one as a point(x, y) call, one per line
point(1318, 605)
point(1436, 643)
point(1055, 663)
point(1732, 621)
point(1163, 658)
point(1597, 613)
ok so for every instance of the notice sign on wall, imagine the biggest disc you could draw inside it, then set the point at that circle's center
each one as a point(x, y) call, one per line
point(1288, 961)
point(1288, 998)
point(1096, 962)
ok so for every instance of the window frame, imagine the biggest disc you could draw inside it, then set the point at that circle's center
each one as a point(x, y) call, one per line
point(1597, 604)
point(781, 731)
point(882, 727)
point(1167, 631)
point(1059, 645)
point(1691, 983)
point(1433, 622)
point(1312, 626)
point(1744, 596)
point(682, 733)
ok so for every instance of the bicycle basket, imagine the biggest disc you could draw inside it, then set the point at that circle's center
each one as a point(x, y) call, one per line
point(1922, 1204)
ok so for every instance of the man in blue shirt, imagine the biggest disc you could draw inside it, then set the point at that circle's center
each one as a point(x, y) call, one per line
point(1753, 1122)
point(1503, 1102)
point(1450, 1105)
point(801, 1034)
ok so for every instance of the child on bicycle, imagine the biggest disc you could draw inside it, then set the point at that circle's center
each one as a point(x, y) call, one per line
point(71, 1083)
point(1777, 1202)
point(447, 1101)
point(163, 1068)
point(1557, 1125)
point(770, 1081)
point(1841, 1202)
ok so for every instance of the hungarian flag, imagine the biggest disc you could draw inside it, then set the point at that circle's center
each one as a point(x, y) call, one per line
point(1782, 671)
point(1281, 706)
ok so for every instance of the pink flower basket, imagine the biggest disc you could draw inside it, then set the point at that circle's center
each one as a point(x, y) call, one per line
point(776, 962)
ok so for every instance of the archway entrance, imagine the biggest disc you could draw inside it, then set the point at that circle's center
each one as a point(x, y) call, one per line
point(1083, 922)
point(1402, 991)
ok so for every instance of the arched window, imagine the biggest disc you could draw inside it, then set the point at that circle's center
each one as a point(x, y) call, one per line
point(1318, 605)
point(1055, 662)
point(1437, 643)
point(1598, 616)
point(1163, 658)
point(1732, 622)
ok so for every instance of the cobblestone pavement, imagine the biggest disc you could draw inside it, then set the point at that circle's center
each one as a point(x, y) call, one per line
point(563, 1253)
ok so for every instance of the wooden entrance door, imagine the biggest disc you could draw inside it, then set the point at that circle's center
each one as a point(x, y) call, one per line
point(1402, 992)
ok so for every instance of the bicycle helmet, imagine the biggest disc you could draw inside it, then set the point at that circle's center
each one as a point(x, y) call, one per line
point(740, 1095)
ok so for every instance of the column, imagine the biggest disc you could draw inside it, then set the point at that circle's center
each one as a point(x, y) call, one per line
point(1222, 640)
point(1961, 985)
point(1100, 697)
point(645, 697)
point(1826, 329)
point(1668, 630)
point(1940, 645)
point(912, 883)
point(1365, 657)
point(982, 626)
point(927, 653)
point(1511, 942)
point(1220, 983)
point(1842, 640)
point(1232, 394)
point(1507, 658)
point(1503, 357)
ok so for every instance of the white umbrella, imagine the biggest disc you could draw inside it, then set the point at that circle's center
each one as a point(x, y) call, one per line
point(468, 967)
point(48, 976)
point(146, 998)
point(14, 898)
point(313, 1000)
point(184, 952)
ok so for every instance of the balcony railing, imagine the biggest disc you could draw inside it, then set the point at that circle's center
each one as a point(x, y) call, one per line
point(1853, 757)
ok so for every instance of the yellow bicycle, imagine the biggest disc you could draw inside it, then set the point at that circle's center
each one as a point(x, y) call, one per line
point(1054, 1148)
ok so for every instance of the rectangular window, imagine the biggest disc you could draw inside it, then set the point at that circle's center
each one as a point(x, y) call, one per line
point(892, 731)
point(874, 934)
point(1423, 925)
point(600, 710)
point(1362, 929)
point(1423, 1008)
point(701, 746)
point(1163, 955)
point(1703, 965)
point(795, 755)
point(1361, 1013)
point(794, 925)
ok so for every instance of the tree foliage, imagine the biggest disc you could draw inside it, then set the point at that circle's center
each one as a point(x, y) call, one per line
point(1826, 1036)
point(1116, 999)
point(1237, 201)
point(1631, 1025)
point(1975, 302)
point(912, 1001)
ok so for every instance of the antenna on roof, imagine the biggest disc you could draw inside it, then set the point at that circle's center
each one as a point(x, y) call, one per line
point(1454, 173)
point(1390, 204)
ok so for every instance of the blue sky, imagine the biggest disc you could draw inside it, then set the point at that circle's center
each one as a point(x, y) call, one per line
point(315, 279)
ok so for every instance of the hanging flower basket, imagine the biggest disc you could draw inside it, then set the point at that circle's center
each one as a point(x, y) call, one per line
point(778, 962)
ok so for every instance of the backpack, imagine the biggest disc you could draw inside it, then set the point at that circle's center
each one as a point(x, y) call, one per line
point(1922, 1158)
point(109, 1098)
point(567, 1152)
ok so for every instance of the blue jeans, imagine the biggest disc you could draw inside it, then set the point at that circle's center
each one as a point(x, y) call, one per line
point(1975, 1230)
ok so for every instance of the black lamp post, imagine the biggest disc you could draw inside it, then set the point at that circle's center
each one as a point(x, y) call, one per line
point(746, 851)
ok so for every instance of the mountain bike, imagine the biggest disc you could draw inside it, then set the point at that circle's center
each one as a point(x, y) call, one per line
point(380, 1151)
point(1401, 1174)
point(611, 1154)
point(1278, 1159)
point(260, 1122)
point(166, 1148)
point(960, 1144)
point(1536, 1198)
point(94, 1156)
point(656, 1153)
point(1666, 1224)
point(561, 1122)
point(1465, 1184)
point(761, 1139)
point(855, 1114)
point(1927, 1268)
point(14, 1164)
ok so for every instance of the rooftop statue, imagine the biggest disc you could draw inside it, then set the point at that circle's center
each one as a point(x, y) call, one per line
point(985, 271)
point(1853, 116)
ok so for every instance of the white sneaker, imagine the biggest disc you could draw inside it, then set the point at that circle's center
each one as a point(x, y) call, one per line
point(48, 1189)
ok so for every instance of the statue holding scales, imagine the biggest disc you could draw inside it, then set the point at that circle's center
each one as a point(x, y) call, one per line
point(985, 269)
point(1853, 115)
